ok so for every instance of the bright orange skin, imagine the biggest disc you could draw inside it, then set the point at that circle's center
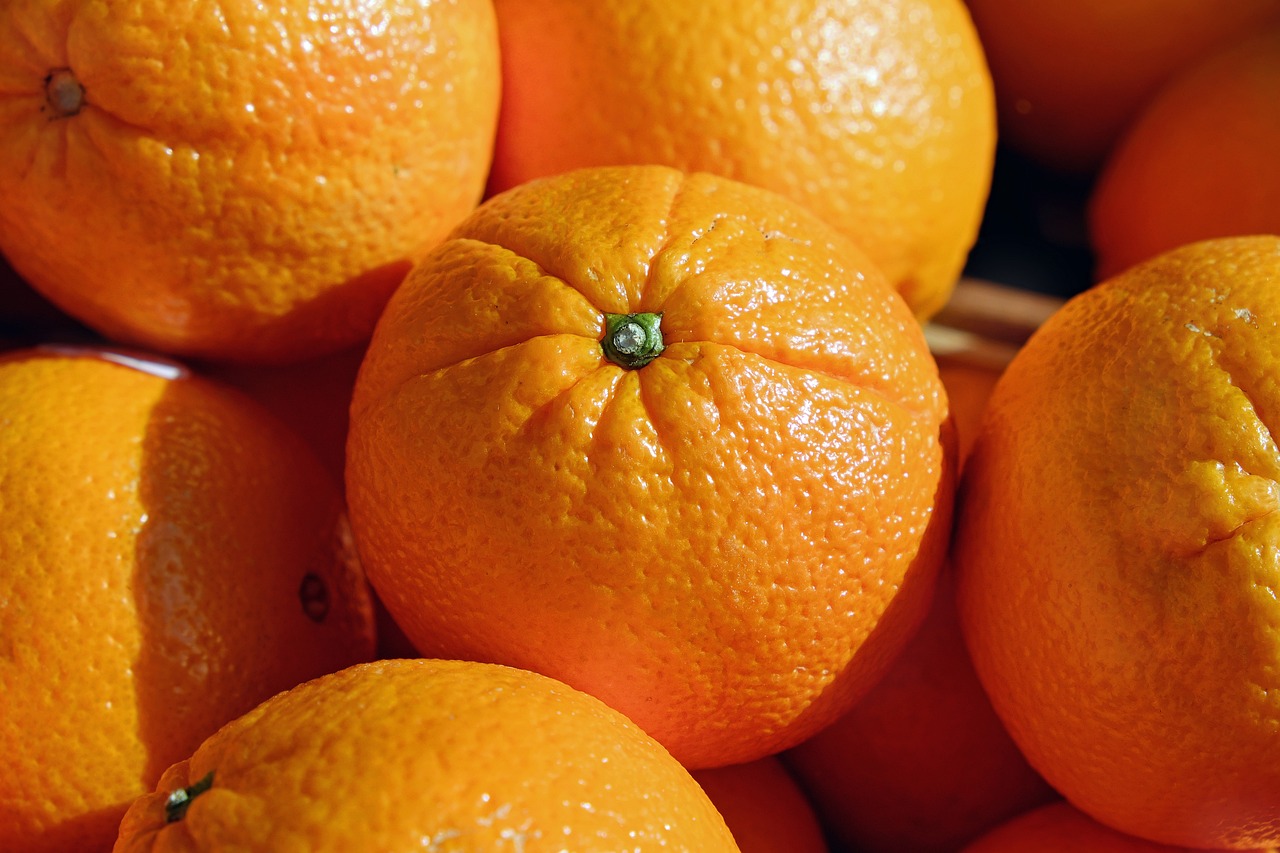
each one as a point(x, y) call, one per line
point(728, 544)
point(763, 807)
point(1070, 75)
point(1116, 548)
point(878, 115)
point(258, 193)
point(1199, 162)
point(430, 755)
point(1061, 828)
point(922, 764)
point(156, 536)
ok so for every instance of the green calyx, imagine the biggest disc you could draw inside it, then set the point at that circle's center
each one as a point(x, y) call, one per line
point(632, 340)
point(175, 808)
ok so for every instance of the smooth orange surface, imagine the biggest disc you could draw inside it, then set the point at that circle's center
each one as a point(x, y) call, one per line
point(172, 556)
point(878, 115)
point(729, 544)
point(1070, 75)
point(430, 755)
point(764, 808)
point(239, 180)
point(1116, 546)
point(1199, 162)
point(1061, 828)
point(922, 764)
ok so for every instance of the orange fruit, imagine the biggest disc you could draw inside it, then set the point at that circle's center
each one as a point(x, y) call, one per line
point(1199, 162)
point(172, 556)
point(427, 755)
point(878, 115)
point(728, 542)
point(1060, 828)
point(258, 193)
point(763, 807)
point(1115, 547)
point(1070, 75)
point(922, 764)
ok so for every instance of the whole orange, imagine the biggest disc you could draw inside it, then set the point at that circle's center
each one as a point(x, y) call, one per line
point(921, 764)
point(1061, 828)
point(241, 180)
point(1199, 162)
point(728, 542)
point(427, 755)
point(172, 556)
point(1071, 74)
point(1116, 547)
point(878, 115)
point(763, 807)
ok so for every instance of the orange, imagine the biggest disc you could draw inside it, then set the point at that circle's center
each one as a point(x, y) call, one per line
point(1116, 548)
point(172, 556)
point(239, 181)
point(878, 115)
point(1060, 828)
point(427, 755)
point(922, 764)
point(1070, 75)
point(727, 542)
point(763, 807)
point(1198, 163)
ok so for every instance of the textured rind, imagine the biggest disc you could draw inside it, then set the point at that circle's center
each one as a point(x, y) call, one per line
point(878, 116)
point(245, 181)
point(156, 534)
point(728, 544)
point(409, 755)
point(1117, 548)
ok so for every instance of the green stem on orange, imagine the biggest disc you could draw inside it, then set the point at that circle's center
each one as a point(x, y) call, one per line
point(632, 340)
point(175, 808)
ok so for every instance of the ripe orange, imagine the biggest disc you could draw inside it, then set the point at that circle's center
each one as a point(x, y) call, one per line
point(242, 180)
point(427, 755)
point(1199, 162)
point(172, 556)
point(764, 808)
point(1071, 74)
point(1116, 548)
point(1060, 828)
point(878, 115)
point(728, 543)
point(921, 764)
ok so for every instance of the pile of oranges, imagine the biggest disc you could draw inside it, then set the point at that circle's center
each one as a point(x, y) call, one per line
point(517, 425)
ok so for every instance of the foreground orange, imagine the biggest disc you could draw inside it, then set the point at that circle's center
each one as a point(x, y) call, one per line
point(666, 438)
point(878, 115)
point(1198, 162)
point(415, 755)
point(238, 180)
point(172, 556)
point(1116, 545)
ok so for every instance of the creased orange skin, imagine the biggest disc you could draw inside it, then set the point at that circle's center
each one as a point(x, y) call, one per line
point(158, 534)
point(242, 181)
point(1117, 548)
point(412, 755)
point(728, 544)
point(877, 115)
